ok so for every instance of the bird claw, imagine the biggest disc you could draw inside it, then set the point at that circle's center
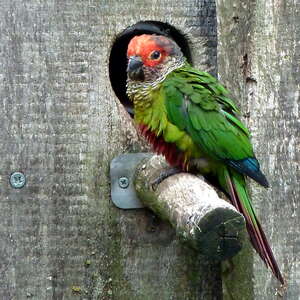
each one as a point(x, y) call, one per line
point(164, 175)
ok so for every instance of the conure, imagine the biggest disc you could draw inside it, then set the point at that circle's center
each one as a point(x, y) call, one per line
point(189, 117)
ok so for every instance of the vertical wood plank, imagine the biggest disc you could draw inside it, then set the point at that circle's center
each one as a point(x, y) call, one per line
point(61, 238)
point(259, 61)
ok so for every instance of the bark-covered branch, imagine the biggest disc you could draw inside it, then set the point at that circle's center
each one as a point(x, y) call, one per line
point(208, 223)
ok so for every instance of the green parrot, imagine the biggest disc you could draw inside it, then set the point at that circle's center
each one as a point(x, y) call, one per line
point(187, 116)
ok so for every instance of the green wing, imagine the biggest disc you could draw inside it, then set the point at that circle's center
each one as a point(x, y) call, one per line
point(198, 104)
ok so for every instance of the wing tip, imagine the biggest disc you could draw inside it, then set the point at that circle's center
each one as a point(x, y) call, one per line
point(250, 167)
point(261, 179)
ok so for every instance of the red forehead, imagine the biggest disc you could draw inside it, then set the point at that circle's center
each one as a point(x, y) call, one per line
point(144, 44)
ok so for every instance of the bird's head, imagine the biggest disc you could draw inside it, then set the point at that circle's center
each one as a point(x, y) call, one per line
point(151, 57)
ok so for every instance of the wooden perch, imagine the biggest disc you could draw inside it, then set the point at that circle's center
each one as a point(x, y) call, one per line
point(209, 224)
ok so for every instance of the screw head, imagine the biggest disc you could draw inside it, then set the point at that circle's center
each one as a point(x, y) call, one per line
point(17, 180)
point(123, 182)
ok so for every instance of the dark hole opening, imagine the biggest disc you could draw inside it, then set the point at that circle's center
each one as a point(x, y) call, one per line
point(118, 59)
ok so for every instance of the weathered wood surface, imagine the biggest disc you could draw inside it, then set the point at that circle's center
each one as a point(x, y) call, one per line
point(60, 236)
point(258, 59)
point(209, 224)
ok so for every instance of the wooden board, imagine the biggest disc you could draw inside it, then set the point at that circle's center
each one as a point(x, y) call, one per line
point(61, 124)
point(258, 59)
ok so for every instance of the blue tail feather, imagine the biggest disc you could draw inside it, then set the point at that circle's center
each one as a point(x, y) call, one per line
point(250, 167)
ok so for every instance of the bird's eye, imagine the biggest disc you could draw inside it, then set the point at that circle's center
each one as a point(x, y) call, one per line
point(155, 55)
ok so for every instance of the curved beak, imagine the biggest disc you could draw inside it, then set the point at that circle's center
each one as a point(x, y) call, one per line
point(135, 68)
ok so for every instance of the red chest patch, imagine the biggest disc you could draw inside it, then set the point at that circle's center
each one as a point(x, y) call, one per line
point(173, 155)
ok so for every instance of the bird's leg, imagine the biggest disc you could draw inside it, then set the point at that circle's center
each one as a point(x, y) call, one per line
point(163, 175)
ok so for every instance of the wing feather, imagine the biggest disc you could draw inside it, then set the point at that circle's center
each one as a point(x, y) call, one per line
point(197, 103)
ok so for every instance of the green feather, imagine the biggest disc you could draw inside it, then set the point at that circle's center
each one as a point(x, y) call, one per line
point(236, 122)
point(172, 134)
point(175, 101)
point(203, 110)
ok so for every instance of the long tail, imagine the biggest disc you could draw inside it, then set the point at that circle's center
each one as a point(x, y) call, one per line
point(234, 184)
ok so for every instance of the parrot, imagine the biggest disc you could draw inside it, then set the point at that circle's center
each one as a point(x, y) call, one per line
point(191, 119)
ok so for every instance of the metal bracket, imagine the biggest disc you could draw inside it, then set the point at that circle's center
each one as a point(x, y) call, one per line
point(122, 169)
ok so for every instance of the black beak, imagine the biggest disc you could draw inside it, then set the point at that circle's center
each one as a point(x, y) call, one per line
point(135, 68)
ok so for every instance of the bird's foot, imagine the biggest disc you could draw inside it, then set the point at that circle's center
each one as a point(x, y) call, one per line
point(164, 175)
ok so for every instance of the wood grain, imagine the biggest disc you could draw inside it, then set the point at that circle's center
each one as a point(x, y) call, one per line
point(258, 59)
point(61, 124)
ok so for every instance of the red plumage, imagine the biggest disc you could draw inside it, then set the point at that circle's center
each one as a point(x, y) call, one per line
point(173, 155)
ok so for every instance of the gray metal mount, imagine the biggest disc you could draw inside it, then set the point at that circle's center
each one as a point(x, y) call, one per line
point(122, 170)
